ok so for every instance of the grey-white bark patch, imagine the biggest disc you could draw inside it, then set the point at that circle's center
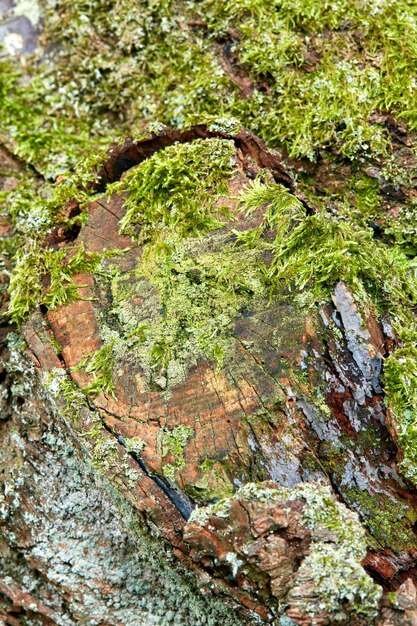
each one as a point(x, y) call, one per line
point(358, 337)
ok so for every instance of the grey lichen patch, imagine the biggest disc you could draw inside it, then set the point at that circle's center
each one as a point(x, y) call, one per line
point(69, 539)
point(107, 456)
point(134, 444)
point(342, 585)
point(108, 459)
point(340, 582)
point(72, 400)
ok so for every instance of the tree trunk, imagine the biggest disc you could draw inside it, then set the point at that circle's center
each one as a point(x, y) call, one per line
point(207, 415)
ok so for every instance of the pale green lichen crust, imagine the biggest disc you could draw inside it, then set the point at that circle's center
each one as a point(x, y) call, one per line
point(173, 442)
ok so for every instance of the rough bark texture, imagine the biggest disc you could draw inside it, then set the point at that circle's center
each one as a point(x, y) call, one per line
point(192, 431)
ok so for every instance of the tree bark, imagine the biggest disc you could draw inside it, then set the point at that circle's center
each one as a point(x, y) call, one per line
point(185, 437)
point(255, 419)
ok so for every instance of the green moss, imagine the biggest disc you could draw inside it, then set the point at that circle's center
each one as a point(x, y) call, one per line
point(162, 66)
point(400, 382)
point(390, 522)
point(56, 346)
point(100, 363)
point(27, 105)
point(191, 290)
point(360, 200)
point(34, 264)
point(174, 192)
point(214, 483)
point(321, 250)
point(314, 251)
point(402, 228)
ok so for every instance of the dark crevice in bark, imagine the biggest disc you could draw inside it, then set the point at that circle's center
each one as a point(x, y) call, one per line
point(178, 498)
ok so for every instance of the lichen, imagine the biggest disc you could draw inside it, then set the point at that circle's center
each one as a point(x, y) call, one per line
point(81, 534)
point(134, 444)
point(341, 585)
point(340, 581)
point(173, 442)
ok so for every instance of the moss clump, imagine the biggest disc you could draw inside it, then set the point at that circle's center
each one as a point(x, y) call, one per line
point(402, 228)
point(176, 189)
point(279, 40)
point(314, 251)
point(162, 66)
point(389, 522)
point(34, 264)
point(43, 274)
point(214, 483)
point(100, 364)
point(191, 292)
